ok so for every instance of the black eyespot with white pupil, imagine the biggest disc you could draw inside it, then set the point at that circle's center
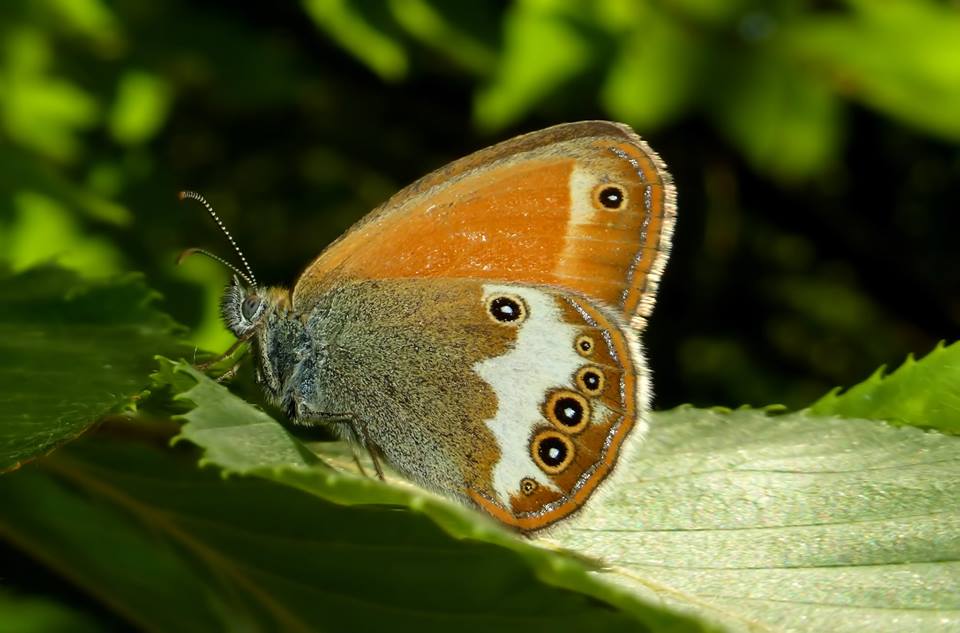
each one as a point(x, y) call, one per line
point(611, 197)
point(528, 486)
point(568, 411)
point(584, 345)
point(249, 308)
point(591, 380)
point(505, 309)
point(552, 451)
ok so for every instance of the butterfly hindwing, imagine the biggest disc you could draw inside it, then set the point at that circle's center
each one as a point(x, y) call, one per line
point(568, 392)
point(516, 397)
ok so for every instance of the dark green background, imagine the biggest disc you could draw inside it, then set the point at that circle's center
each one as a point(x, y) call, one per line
point(814, 145)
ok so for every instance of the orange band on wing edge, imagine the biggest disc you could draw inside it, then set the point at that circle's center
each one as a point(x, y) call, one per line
point(573, 503)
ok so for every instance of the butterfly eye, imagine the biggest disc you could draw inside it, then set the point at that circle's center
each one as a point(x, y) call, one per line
point(568, 410)
point(590, 381)
point(584, 345)
point(552, 452)
point(250, 308)
point(506, 309)
point(611, 197)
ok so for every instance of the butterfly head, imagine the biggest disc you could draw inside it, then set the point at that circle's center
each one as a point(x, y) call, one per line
point(280, 343)
point(244, 309)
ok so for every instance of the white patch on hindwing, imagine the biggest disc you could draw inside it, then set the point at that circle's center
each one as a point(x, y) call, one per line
point(543, 358)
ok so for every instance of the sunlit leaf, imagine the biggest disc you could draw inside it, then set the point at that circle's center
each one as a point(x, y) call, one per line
point(863, 54)
point(426, 23)
point(789, 522)
point(70, 352)
point(209, 333)
point(347, 26)
point(244, 440)
point(785, 523)
point(786, 123)
point(90, 17)
point(656, 74)
point(39, 110)
point(620, 16)
point(541, 52)
point(713, 12)
point(22, 172)
point(923, 392)
point(143, 100)
point(19, 614)
point(43, 230)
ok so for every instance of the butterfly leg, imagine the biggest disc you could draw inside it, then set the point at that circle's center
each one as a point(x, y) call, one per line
point(357, 432)
point(229, 374)
point(213, 361)
point(360, 433)
point(356, 460)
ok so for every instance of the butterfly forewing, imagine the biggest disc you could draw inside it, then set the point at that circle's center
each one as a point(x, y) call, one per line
point(588, 207)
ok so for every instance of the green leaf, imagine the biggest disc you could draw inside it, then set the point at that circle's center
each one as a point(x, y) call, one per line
point(36, 615)
point(785, 122)
point(426, 23)
point(171, 547)
point(114, 519)
point(656, 74)
point(711, 12)
point(88, 17)
point(243, 440)
point(789, 523)
point(862, 53)
point(44, 230)
point(542, 50)
point(350, 28)
point(22, 172)
point(208, 331)
point(919, 393)
point(143, 101)
point(70, 352)
point(41, 111)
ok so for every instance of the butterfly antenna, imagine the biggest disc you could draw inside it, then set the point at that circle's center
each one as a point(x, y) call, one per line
point(193, 195)
point(199, 251)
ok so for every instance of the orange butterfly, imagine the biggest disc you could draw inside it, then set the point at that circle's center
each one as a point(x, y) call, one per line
point(480, 330)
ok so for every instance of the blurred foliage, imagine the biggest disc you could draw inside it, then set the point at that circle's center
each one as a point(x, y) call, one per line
point(816, 154)
point(35, 615)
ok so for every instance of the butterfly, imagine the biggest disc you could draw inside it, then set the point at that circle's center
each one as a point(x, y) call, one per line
point(480, 331)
